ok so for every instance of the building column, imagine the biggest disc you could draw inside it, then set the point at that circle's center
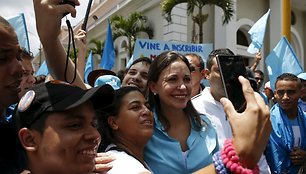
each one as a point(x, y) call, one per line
point(286, 19)
point(177, 29)
point(275, 23)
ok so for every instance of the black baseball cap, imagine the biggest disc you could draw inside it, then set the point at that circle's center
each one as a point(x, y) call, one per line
point(56, 96)
point(93, 75)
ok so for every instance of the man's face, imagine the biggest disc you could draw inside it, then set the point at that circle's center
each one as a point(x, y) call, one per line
point(137, 76)
point(69, 142)
point(27, 76)
point(268, 92)
point(287, 94)
point(214, 78)
point(196, 74)
point(10, 68)
point(259, 79)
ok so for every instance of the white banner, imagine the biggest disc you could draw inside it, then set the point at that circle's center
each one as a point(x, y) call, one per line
point(152, 48)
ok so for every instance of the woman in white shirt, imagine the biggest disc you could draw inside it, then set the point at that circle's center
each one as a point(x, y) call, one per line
point(127, 125)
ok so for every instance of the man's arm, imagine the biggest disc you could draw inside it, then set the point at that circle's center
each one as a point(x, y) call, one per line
point(257, 60)
point(80, 41)
point(48, 14)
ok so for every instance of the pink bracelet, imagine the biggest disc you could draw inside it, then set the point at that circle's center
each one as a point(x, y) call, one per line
point(231, 160)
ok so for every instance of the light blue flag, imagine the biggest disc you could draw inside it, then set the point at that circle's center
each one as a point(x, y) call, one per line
point(108, 56)
point(43, 69)
point(128, 65)
point(282, 59)
point(88, 67)
point(257, 33)
point(19, 24)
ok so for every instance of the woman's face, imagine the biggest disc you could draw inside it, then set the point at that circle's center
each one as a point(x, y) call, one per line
point(134, 121)
point(173, 86)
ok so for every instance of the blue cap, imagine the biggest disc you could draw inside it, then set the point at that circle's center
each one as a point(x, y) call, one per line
point(302, 76)
point(114, 81)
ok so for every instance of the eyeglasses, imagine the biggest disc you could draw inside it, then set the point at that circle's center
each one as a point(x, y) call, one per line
point(193, 69)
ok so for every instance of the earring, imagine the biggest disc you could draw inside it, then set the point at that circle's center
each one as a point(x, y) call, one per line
point(154, 93)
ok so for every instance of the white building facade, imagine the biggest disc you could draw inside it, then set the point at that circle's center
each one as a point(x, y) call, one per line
point(232, 35)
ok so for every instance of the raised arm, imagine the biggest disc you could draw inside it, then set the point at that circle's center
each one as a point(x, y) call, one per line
point(257, 60)
point(251, 129)
point(80, 41)
point(48, 14)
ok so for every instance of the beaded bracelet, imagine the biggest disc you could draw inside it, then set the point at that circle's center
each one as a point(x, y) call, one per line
point(218, 163)
point(231, 160)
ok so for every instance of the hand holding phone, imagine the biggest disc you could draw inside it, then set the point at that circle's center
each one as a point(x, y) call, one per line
point(231, 67)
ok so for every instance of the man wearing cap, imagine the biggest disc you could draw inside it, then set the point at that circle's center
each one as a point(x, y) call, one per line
point(59, 132)
point(48, 15)
point(269, 93)
point(302, 100)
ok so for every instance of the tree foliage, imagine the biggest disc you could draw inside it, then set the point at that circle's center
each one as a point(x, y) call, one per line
point(199, 18)
point(130, 27)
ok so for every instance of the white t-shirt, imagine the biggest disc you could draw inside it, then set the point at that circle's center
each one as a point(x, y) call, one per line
point(124, 163)
point(205, 104)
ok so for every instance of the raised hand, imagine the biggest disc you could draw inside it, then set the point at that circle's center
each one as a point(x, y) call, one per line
point(251, 129)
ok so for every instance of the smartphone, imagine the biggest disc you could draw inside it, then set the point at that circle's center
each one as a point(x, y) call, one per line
point(231, 67)
point(86, 15)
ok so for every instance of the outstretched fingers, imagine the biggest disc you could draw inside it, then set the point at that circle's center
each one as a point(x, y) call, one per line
point(103, 162)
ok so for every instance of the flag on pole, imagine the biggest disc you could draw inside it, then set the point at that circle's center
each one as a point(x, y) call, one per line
point(108, 56)
point(88, 67)
point(128, 65)
point(19, 24)
point(43, 69)
point(282, 59)
point(257, 33)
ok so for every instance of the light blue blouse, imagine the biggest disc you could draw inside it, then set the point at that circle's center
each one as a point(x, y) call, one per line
point(164, 155)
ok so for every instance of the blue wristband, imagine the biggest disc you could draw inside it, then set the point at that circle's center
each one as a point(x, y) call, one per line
point(218, 163)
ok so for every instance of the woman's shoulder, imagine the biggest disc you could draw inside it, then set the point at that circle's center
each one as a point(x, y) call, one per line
point(124, 163)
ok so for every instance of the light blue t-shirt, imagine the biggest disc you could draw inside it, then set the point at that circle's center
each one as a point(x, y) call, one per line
point(302, 104)
point(164, 155)
point(282, 140)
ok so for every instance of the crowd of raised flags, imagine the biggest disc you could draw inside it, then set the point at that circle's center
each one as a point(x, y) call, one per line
point(280, 60)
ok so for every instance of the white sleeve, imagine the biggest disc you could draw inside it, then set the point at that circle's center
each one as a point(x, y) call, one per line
point(125, 163)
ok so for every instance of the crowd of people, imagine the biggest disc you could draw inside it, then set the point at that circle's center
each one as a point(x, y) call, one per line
point(156, 117)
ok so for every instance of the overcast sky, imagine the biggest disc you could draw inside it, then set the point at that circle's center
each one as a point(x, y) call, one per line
point(10, 8)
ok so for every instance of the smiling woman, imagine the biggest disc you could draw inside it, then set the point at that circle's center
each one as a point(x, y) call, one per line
point(127, 126)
